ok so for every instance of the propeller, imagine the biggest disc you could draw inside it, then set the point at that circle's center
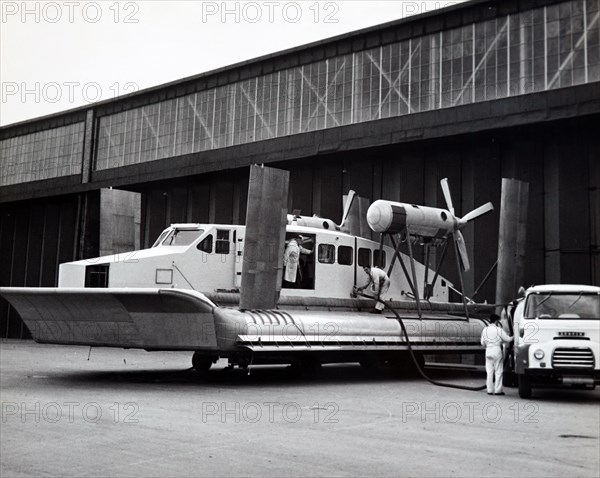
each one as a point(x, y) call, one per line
point(462, 250)
point(460, 222)
point(475, 213)
point(347, 207)
point(447, 196)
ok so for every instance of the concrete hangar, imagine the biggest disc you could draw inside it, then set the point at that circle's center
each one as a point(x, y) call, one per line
point(475, 92)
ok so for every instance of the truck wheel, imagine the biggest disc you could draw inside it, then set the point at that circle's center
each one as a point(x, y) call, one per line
point(201, 363)
point(524, 386)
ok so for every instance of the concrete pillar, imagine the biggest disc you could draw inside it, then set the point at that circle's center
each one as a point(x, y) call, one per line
point(512, 239)
point(464, 203)
point(88, 147)
point(595, 217)
point(221, 201)
point(551, 216)
point(327, 190)
point(120, 215)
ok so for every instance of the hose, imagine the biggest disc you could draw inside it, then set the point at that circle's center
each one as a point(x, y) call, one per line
point(416, 362)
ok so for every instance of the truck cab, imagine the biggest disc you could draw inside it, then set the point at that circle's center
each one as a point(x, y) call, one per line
point(557, 337)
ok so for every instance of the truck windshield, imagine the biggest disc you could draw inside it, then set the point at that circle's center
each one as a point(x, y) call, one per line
point(572, 305)
point(181, 237)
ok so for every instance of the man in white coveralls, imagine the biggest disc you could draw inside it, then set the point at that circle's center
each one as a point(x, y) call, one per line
point(493, 337)
point(379, 282)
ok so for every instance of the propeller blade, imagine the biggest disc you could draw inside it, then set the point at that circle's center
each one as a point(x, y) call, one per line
point(462, 250)
point(475, 213)
point(347, 206)
point(446, 190)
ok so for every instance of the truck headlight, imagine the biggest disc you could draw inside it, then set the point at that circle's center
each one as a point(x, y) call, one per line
point(539, 354)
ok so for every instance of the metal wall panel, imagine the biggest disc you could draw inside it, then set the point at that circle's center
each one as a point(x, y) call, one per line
point(539, 49)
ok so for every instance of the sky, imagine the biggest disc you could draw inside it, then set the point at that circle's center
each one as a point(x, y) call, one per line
point(58, 55)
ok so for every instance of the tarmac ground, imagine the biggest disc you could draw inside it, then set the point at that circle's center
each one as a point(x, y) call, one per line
point(137, 413)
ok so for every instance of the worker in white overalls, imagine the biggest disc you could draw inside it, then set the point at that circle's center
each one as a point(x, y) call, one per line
point(493, 337)
point(379, 282)
point(291, 258)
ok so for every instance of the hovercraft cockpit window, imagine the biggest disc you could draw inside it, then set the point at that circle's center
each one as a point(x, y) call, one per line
point(161, 237)
point(181, 237)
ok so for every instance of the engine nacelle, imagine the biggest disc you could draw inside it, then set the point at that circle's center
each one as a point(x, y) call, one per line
point(311, 221)
point(394, 217)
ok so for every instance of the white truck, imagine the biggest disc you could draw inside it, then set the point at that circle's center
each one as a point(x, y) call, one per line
point(557, 337)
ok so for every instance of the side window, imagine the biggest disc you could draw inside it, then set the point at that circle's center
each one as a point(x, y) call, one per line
point(345, 255)
point(376, 261)
point(206, 245)
point(222, 245)
point(364, 257)
point(326, 253)
point(96, 276)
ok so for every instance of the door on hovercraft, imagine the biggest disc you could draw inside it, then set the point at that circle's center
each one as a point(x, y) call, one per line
point(304, 277)
point(215, 260)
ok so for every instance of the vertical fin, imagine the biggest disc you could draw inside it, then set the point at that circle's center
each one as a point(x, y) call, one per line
point(355, 222)
point(266, 218)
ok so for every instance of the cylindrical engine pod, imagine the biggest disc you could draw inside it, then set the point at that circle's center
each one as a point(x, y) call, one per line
point(386, 216)
point(393, 217)
point(314, 221)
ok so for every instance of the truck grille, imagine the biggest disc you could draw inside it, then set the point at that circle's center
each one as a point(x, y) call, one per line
point(572, 358)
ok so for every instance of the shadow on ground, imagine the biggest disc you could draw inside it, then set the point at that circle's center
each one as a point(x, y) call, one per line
point(265, 375)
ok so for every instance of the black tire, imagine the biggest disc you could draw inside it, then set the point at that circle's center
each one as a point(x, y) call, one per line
point(524, 386)
point(201, 363)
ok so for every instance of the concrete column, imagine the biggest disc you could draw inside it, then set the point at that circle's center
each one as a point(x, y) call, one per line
point(512, 239)
point(120, 215)
point(221, 202)
point(551, 216)
point(327, 190)
point(595, 217)
point(88, 147)
point(462, 205)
